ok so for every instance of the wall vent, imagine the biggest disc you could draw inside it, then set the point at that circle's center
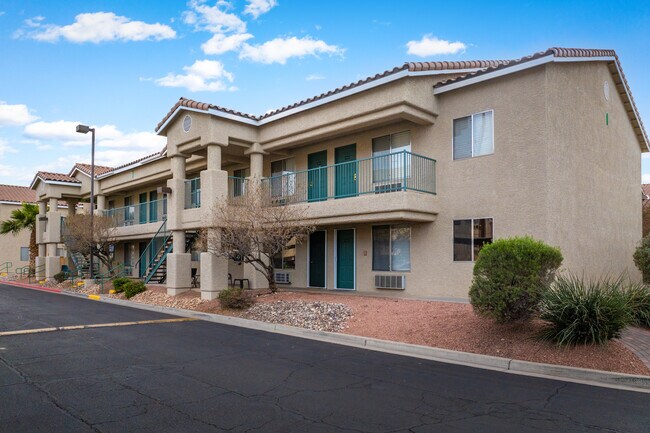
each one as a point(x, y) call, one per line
point(395, 282)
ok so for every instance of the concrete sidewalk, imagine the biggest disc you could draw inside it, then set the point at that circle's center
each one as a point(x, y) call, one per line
point(638, 341)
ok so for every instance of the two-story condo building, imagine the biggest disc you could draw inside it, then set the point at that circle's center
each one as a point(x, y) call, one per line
point(406, 175)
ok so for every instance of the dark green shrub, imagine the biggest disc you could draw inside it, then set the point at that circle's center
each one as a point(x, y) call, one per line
point(584, 312)
point(60, 277)
point(119, 283)
point(510, 276)
point(236, 298)
point(638, 299)
point(642, 258)
point(132, 288)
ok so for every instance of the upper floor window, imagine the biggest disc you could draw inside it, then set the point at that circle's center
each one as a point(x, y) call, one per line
point(283, 178)
point(390, 163)
point(474, 135)
point(239, 181)
point(469, 237)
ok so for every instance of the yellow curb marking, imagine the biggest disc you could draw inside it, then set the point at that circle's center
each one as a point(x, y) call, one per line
point(97, 325)
point(95, 297)
point(112, 291)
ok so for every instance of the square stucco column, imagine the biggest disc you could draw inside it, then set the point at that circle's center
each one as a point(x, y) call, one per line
point(176, 201)
point(40, 262)
point(214, 275)
point(52, 266)
point(255, 277)
point(179, 273)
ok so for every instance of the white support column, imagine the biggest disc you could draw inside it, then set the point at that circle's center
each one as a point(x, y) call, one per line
point(101, 204)
point(179, 264)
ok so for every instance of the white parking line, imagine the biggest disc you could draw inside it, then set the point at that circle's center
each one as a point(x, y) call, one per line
point(96, 325)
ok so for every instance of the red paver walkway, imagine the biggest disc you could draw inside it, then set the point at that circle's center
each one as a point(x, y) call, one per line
point(638, 341)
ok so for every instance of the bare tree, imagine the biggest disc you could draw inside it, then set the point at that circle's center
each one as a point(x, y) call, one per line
point(79, 237)
point(253, 229)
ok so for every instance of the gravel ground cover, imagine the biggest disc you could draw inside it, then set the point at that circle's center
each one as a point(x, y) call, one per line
point(318, 315)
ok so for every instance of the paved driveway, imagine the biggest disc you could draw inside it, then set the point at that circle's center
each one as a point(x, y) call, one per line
point(205, 377)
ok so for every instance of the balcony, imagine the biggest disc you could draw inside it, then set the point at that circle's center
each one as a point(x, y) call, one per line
point(141, 213)
point(400, 179)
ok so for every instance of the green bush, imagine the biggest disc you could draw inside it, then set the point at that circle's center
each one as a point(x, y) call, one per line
point(642, 258)
point(510, 276)
point(236, 298)
point(119, 283)
point(584, 312)
point(638, 300)
point(60, 277)
point(132, 288)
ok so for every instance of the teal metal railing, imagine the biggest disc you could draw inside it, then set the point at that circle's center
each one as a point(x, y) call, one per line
point(193, 193)
point(399, 171)
point(141, 213)
point(236, 187)
point(154, 248)
point(115, 272)
point(5, 268)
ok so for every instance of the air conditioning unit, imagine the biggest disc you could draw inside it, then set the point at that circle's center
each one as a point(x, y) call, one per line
point(394, 282)
point(388, 187)
point(282, 278)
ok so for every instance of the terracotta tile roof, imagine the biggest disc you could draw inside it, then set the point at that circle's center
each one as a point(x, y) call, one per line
point(144, 158)
point(615, 68)
point(411, 66)
point(17, 194)
point(85, 168)
point(56, 177)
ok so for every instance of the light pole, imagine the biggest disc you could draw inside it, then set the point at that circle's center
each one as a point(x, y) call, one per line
point(83, 129)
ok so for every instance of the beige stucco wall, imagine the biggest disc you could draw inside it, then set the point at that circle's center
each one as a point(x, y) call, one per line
point(594, 172)
point(10, 244)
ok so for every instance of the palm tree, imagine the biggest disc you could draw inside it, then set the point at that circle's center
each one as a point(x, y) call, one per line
point(23, 218)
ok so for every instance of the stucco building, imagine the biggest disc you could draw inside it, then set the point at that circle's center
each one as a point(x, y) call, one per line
point(14, 249)
point(406, 174)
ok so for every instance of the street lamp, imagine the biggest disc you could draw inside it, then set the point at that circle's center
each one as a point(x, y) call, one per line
point(83, 129)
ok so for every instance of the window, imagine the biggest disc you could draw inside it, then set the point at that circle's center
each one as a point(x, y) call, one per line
point(391, 248)
point(390, 163)
point(469, 237)
point(24, 254)
point(474, 135)
point(129, 210)
point(239, 181)
point(283, 177)
point(193, 193)
point(153, 206)
point(287, 258)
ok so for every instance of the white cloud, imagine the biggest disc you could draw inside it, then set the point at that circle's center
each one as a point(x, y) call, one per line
point(279, 50)
point(645, 178)
point(97, 27)
point(202, 76)
point(15, 115)
point(432, 46)
point(220, 43)
point(65, 131)
point(6, 148)
point(313, 77)
point(214, 19)
point(255, 8)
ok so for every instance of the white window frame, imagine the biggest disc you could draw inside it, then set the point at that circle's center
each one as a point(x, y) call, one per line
point(471, 116)
point(287, 179)
point(472, 248)
point(390, 247)
point(21, 254)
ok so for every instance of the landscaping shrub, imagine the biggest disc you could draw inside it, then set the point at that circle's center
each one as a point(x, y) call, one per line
point(510, 276)
point(132, 288)
point(119, 283)
point(236, 298)
point(642, 258)
point(638, 300)
point(60, 277)
point(584, 312)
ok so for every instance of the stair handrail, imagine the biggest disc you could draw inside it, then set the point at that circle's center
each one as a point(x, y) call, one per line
point(34, 272)
point(6, 267)
point(153, 270)
point(162, 226)
point(111, 274)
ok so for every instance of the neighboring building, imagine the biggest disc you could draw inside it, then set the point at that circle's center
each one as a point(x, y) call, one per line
point(645, 193)
point(14, 249)
point(406, 175)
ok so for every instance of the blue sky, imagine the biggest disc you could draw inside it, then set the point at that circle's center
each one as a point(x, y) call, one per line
point(121, 65)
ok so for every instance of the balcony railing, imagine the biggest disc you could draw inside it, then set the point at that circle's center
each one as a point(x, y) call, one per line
point(236, 187)
point(141, 213)
point(193, 193)
point(399, 171)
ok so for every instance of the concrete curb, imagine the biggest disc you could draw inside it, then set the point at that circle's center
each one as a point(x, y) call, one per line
point(607, 379)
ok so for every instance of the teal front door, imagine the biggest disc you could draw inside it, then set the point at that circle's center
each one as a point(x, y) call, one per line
point(345, 259)
point(346, 171)
point(317, 259)
point(317, 176)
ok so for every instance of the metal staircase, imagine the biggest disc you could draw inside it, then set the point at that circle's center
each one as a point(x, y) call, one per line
point(155, 254)
point(82, 264)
